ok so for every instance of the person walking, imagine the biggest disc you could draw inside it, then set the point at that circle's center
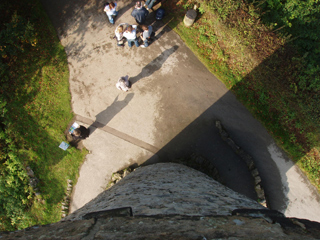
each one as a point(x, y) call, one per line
point(146, 35)
point(130, 35)
point(123, 83)
point(139, 13)
point(111, 11)
point(149, 4)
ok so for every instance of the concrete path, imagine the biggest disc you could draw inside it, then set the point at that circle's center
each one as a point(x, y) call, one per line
point(169, 113)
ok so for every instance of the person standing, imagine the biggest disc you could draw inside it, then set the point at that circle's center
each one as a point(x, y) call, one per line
point(146, 35)
point(111, 11)
point(139, 13)
point(130, 35)
point(123, 83)
point(149, 4)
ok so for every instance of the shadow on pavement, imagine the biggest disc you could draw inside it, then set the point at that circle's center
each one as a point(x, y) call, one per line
point(202, 138)
point(123, 10)
point(154, 66)
point(106, 115)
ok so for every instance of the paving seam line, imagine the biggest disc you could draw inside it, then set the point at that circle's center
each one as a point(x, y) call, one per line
point(118, 134)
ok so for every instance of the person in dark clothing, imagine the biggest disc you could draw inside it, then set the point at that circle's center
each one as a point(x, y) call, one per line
point(139, 13)
point(80, 133)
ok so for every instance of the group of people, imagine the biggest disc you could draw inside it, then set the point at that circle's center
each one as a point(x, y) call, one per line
point(128, 32)
point(139, 13)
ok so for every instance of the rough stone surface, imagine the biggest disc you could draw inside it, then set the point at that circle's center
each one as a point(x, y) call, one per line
point(60, 230)
point(168, 188)
point(163, 227)
point(163, 196)
point(168, 227)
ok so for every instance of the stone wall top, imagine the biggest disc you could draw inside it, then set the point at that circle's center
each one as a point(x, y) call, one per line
point(168, 188)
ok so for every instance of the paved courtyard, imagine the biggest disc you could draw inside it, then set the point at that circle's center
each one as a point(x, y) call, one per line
point(169, 113)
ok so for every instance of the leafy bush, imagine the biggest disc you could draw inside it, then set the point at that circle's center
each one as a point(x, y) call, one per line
point(15, 35)
point(15, 193)
point(299, 22)
point(34, 113)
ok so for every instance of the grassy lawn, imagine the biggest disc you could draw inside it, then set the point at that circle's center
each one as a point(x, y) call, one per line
point(35, 88)
point(264, 69)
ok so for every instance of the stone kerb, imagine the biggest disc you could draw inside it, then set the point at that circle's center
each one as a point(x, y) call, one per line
point(249, 162)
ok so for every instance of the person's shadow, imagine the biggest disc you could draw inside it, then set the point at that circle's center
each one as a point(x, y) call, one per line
point(106, 115)
point(154, 66)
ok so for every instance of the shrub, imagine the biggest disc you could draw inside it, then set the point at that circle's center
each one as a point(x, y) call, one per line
point(15, 193)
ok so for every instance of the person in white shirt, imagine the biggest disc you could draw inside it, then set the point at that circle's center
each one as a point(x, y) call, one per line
point(111, 11)
point(130, 35)
point(123, 83)
point(121, 28)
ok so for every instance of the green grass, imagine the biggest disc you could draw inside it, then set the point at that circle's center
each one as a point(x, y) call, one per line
point(261, 70)
point(39, 111)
